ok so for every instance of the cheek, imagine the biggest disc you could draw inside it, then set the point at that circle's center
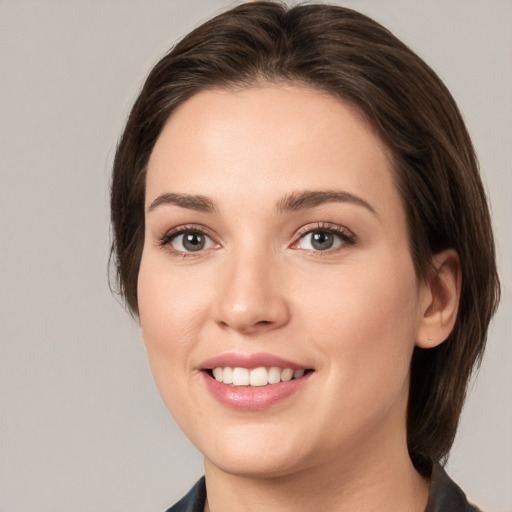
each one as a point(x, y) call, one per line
point(171, 312)
point(364, 323)
point(171, 304)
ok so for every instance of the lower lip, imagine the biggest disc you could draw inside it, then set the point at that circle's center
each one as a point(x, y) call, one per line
point(253, 398)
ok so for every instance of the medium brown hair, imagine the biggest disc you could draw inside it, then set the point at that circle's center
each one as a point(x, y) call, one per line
point(352, 57)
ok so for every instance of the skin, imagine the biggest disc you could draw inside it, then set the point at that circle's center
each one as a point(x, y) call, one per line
point(352, 313)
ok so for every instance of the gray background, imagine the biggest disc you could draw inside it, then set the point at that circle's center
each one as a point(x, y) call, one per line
point(81, 424)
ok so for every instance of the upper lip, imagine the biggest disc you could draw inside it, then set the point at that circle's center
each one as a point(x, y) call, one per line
point(249, 361)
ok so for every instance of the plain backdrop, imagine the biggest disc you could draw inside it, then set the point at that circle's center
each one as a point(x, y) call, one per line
point(82, 427)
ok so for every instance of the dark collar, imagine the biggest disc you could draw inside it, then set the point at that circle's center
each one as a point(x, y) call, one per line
point(445, 496)
point(193, 501)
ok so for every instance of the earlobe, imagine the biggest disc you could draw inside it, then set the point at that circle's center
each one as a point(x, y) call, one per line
point(440, 300)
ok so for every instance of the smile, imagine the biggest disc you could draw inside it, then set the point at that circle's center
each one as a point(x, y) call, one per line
point(253, 382)
point(256, 377)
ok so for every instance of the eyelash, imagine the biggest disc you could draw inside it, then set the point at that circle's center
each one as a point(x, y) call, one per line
point(345, 235)
point(165, 241)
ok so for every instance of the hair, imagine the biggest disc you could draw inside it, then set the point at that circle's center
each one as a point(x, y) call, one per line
point(353, 58)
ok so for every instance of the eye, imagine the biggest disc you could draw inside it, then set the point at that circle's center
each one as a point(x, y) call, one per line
point(319, 241)
point(187, 240)
point(324, 238)
point(190, 242)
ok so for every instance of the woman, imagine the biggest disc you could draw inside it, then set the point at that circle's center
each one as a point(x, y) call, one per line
point(301, 229)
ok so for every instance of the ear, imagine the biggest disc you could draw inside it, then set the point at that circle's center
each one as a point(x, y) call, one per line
point(439, 301)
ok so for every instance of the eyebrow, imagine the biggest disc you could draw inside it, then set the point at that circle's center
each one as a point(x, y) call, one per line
point(292, 202)
point(311, 198)
point(191, 202)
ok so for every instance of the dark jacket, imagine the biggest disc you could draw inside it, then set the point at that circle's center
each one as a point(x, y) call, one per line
point(445, 496)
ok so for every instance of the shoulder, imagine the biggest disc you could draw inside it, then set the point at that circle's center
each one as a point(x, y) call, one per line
point(445, 495)
point(194, 499)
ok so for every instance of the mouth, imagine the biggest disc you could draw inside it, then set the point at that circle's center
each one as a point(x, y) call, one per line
point(253, 382)
point(255, 377)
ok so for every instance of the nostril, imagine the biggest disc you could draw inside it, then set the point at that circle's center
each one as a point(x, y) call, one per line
point(256, 314)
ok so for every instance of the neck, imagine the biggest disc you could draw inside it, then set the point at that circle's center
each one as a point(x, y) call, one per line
point(384, 483)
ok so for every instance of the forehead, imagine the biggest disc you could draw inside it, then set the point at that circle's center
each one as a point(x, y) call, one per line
point(268, 140)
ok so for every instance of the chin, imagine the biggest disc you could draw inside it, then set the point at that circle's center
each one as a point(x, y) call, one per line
point(254, 454)
point(255, 466)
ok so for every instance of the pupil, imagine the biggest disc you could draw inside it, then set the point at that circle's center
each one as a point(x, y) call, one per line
point(193, 241)
point(322, 240)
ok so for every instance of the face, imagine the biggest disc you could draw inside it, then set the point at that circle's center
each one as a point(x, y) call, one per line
point(278, 300)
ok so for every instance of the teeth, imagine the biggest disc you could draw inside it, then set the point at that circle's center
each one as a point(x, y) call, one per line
point(240, 377)
point(286, 374)
point(297, 374)
point(227, 377)
point(274, 375)
point(256, 377)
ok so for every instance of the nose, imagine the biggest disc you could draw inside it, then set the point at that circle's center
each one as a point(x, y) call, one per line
point(250, 298)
